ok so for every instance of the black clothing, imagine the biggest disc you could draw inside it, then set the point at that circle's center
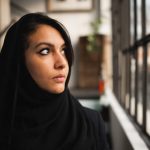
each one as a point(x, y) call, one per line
point(33, 119)
point(97, 120)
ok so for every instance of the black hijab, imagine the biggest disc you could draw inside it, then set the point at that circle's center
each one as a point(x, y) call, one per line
point(31, 118)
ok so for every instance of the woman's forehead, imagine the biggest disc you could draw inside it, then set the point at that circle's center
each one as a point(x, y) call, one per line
point(46, 34)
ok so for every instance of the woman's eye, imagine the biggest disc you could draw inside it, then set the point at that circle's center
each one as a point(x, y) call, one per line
point(63, 51)
point(44, 51)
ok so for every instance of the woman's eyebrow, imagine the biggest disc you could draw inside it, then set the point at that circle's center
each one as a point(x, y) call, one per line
point(43, 43)
point(48, 44)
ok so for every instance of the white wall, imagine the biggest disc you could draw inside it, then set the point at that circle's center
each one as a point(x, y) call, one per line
point(77, 23)
point(4, 16)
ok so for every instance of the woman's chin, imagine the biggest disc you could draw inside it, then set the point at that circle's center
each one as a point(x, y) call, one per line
point(57, 90)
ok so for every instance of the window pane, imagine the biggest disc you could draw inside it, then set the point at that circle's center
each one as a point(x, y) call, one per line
point(131, 21)
point(139, 22)
point(148, 91)
point(128, 78)
point(132, 100)
point(147, 16)
point(140, 85)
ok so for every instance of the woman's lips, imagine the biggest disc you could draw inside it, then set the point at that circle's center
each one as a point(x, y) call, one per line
point(59, 79)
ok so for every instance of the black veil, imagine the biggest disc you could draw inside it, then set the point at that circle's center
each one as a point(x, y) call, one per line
point(31, 118)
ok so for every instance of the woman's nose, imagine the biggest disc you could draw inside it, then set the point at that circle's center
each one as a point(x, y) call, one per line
point(60, 61)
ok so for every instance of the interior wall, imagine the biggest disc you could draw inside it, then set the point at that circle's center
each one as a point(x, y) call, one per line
point(4, 16)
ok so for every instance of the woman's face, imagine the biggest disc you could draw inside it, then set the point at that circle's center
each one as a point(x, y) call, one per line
point(45, 59)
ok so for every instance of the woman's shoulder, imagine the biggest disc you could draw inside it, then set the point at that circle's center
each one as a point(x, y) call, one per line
point(96, 118)
point(94, 115)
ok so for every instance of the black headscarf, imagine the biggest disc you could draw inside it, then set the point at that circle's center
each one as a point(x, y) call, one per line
point(31, 118)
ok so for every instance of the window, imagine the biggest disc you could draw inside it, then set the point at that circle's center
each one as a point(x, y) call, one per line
point(136, 101)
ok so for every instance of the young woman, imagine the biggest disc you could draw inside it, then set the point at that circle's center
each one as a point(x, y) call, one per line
point(37, 111)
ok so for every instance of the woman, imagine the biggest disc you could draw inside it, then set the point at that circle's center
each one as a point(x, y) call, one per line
point(37, 110)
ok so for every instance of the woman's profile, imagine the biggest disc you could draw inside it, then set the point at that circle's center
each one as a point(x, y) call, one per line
point(37, 111)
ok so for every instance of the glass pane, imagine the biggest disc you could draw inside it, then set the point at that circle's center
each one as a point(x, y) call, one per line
point(140, 85)
point(139, 22)
point(127, 98)
point(132, 100)
point(147, 16)
point(127, 91)
point(131, 21)
point(148, 91)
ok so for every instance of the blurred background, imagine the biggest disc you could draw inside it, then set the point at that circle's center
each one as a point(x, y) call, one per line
point(111, 71)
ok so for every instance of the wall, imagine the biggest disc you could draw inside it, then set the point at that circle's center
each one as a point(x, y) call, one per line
point(4, 16)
